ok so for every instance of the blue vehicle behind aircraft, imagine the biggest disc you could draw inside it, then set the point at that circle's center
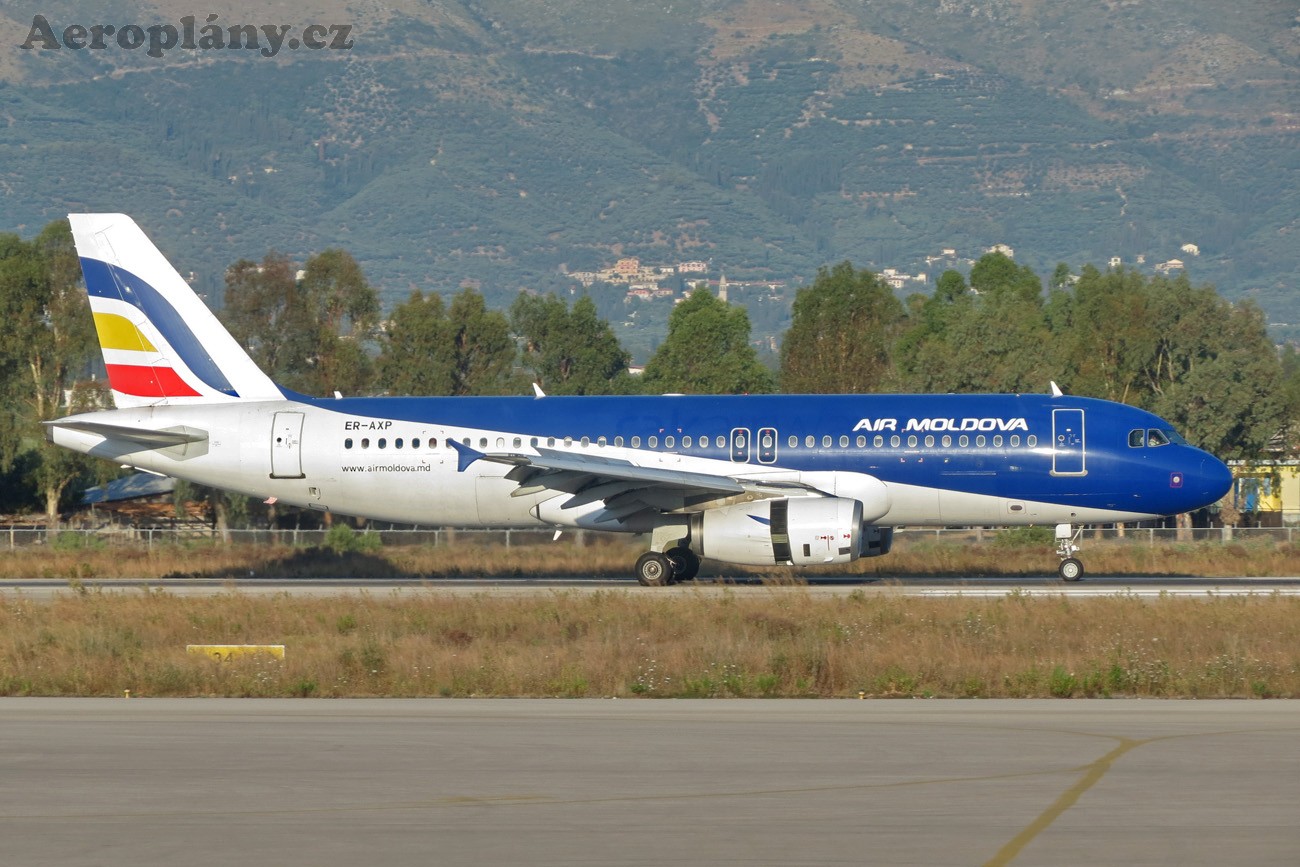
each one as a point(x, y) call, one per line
point(755, 480)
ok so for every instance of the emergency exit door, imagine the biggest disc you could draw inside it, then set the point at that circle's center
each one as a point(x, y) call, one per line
point(286, 446)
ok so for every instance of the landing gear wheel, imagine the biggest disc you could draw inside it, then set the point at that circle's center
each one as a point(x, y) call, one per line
point(685, 564)
point(1070, 569)
point(654, 569)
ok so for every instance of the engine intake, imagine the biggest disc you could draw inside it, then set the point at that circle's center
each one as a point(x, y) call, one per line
point(801, 531)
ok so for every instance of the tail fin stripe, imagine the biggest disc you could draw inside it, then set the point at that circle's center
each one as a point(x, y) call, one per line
point(118, 332)
point(143, 381)
point(112, 282)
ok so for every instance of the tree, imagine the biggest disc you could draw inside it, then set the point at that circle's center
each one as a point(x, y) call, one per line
point(347, 309)
point(1103, 335)
point(1179, 350)
point(310, 334)
point(47, 343)
point(998, 274)
point(464, 349)
point(485, 353)
point(569, 351)
point(417, 354)
point(991, 338)
point(707, 351)
point(1217, 377)
point(842, 334)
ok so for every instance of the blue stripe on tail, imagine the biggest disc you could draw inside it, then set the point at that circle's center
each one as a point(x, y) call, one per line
point(109, 281)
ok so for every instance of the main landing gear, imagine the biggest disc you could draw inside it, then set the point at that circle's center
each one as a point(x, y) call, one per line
point(678, 563)
point(1071, 568)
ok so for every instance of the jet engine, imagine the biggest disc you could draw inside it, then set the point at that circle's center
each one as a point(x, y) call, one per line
point(799, 531)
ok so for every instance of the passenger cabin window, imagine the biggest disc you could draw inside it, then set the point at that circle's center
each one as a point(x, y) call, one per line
point(365, 443)
point(686, 442)
point(652, 442)
point(793, 441)
point(383, 443)
point(1136, 438)
point(826, 441)
point(347, 443)
point(1157, 438)
point(618, 442)
point(810, 441)
point(415, 443)
point(668, 442)
point(636, 442)
point(878, 441)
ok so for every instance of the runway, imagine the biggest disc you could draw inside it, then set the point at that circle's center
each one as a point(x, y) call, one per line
point(645, 782)
point(1140, 585)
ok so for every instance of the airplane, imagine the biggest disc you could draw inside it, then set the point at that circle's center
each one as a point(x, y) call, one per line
point(748, 479)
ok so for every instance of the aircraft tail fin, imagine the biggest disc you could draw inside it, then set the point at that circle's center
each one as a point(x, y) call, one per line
point(161, 343)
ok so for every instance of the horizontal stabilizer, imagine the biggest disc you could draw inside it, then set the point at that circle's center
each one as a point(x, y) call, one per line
point(147, 437)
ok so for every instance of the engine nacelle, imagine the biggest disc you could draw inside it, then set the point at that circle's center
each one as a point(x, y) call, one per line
point(801, 531)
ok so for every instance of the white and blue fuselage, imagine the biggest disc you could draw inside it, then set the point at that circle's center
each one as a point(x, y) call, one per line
point(753, 479)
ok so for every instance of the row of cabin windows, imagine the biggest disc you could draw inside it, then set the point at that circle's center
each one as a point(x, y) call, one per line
point(669, 442)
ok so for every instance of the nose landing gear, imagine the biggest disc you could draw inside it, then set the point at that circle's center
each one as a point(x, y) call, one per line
point(1071, 568)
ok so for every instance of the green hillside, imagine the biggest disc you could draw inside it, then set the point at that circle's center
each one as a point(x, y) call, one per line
point(502, 142)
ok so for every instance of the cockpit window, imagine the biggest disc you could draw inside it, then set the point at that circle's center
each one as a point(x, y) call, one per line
point(1157, 438)
point(1136, 438)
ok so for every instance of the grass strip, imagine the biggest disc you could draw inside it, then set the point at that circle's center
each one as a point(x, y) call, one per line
point(747, 642)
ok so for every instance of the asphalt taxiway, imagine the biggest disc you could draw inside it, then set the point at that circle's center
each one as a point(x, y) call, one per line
point(647, 782)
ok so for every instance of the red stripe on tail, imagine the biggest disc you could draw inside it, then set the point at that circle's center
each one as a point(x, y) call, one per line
point(142, 381)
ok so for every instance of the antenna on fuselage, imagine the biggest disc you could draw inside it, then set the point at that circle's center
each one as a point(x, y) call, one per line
point(1056, 390)
point(537, 391)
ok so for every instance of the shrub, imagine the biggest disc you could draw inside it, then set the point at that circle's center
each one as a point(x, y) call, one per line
point(342, 539)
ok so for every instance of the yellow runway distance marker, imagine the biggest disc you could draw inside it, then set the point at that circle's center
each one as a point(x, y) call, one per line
point(227, 652)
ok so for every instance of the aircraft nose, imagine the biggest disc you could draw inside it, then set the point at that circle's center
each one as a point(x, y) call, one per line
point(1215, 479)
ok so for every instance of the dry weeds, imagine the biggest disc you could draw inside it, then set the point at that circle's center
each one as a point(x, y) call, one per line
point(613, 556)
point(747, 642)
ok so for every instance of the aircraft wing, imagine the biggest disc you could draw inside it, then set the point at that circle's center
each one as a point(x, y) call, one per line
point(623, 486)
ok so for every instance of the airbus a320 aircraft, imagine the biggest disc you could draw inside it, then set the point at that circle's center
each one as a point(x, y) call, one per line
point(755, 480)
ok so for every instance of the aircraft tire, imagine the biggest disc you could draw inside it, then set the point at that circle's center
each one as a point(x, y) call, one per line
point(1071, 569)
point(685, 564)
point(654, 569)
